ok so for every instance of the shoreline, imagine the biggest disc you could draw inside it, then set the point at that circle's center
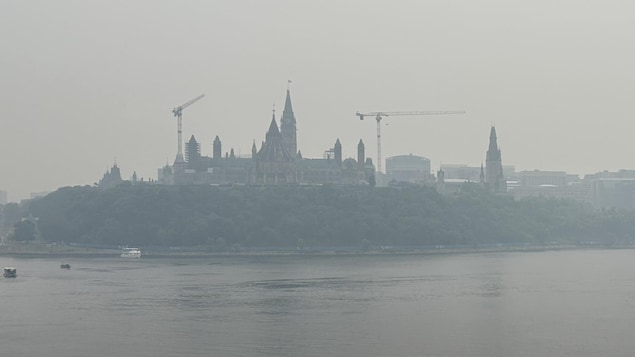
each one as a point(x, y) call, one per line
point(39, 251)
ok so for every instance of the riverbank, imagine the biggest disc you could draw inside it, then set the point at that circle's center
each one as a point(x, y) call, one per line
point(34, 250)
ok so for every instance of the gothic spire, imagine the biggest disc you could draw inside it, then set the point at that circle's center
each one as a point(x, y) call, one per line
point(493, 152)
point(288, 108)
point(493, 144)
point(273, 127)
point(288, 126)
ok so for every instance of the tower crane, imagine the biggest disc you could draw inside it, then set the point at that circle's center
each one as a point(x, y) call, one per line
point(178, 113)
point(379, 116)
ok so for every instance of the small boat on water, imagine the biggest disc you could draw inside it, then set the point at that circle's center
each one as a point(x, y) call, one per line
point(131, 253)
point(65, 266)
point(10, 272)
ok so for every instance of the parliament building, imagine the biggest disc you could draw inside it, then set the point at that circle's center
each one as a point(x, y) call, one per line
point(277, 161)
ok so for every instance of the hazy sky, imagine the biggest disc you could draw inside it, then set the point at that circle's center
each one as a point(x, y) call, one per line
point(83, 83)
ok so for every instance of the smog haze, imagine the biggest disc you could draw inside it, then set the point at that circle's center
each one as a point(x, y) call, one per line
point(88, 83)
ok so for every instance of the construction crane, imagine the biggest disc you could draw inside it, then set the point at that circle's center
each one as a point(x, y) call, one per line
point(379, 115)
point(178, 113)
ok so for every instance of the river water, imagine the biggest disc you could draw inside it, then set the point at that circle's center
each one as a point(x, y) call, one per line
point(553, 303)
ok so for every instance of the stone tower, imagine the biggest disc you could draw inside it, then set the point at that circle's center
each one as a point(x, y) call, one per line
point(288, 127)
point(361, 153)
point(218, 153)
point(192, 152)
point(494, 178)
point(338, 152)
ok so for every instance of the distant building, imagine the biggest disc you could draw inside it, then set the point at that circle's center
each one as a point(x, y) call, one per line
point(538, 178)
point(573, 191)
point(408, 168)
point(277, 162)
point(612, 189)
point(494, 177)
point(111, 178)
point(461, 172)
point(603, 190)
point(613, 193)
point(3, 197)
point(473, 173)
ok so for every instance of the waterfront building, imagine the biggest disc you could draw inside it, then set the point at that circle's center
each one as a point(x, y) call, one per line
point(111, 178)
point(276, 162)
point(408, 168)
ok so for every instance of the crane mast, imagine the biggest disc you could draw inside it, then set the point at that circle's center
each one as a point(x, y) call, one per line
point(379, 116)
point(178, 113)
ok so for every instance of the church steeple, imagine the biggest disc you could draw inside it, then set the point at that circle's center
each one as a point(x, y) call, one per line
point(493, 152)
point(494, 178)
point(288, 126)
point(288, 109)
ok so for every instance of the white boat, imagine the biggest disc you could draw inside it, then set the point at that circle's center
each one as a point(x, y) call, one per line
point(131, 253)
point(10, 272)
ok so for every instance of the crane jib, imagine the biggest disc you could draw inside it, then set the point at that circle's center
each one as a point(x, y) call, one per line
point(378, 116)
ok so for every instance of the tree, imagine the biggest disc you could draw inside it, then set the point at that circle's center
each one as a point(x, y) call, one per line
point(12, 214)
point(24, 231)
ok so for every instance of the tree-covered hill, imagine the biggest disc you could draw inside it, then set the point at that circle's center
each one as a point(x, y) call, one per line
point(220, 217)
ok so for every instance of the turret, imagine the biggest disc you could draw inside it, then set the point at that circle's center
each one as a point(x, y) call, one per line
point(218, 153)
point(361, 154)
point(338, 152)
point(192, 152)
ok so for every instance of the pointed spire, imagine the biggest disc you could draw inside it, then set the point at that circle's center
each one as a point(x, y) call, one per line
point(494, 178)
point(493, 152)
point(288, 108)
point(492, 138)
point(288, 127)
point(273, 127)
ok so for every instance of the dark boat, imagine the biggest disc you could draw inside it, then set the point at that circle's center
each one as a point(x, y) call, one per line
point(65, 266)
